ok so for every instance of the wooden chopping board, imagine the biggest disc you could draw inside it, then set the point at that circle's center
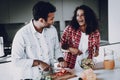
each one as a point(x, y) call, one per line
point(66, 76)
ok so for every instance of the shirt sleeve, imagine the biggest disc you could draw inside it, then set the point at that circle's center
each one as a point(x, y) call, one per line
point(58, 52)
point(18, 53)
point(64, 38)
point(97, 40)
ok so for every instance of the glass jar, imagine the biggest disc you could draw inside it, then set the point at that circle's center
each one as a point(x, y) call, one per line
point(109, 62)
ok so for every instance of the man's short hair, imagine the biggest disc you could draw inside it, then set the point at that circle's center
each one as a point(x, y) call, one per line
point(41, 10)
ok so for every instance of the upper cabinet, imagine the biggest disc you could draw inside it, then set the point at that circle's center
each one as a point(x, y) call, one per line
point(65, 8)
point(59, 9)
point(16, 11)
point(4, 11)
point(20, 11)
point(94, 4)
point(69, 7)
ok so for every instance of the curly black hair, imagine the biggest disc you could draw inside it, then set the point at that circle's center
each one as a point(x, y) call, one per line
point(90, 19)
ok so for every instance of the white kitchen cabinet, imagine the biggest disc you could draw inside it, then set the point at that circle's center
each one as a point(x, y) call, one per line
point(69, 7)
point(59, 10)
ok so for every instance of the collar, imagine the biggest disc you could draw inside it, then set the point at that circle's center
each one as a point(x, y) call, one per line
point(32, 27)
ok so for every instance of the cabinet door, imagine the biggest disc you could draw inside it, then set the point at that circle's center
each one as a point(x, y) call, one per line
point(93, 4)
point(21, 10)
point(69, 7)
point(59, 10)
point(4, 14)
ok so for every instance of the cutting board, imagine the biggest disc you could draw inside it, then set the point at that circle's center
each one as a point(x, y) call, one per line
point(66, 76)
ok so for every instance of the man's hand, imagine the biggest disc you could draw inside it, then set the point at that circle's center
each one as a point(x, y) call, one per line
point(42, 65)
point(63, 64)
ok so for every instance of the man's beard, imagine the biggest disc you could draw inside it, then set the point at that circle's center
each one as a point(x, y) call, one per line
point(47, 26)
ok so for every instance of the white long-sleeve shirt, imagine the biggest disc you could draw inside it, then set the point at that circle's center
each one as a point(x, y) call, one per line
point(26, 48)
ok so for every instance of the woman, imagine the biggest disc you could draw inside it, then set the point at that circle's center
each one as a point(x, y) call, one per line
point(82, 36)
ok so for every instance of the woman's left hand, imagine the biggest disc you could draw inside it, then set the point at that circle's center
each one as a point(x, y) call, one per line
point(96, 53)
point(75, 51)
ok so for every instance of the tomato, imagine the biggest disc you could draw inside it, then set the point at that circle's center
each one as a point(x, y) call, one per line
point(63, 70)
point(59, 74)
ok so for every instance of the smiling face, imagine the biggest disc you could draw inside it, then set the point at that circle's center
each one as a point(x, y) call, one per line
point(80, 17)
point(42, 23)
point(50, 20)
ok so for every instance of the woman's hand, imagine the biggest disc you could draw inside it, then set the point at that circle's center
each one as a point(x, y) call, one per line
point(96, 53)
point(75, 51)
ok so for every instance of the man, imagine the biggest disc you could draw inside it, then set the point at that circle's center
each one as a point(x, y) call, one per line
point(36, 44)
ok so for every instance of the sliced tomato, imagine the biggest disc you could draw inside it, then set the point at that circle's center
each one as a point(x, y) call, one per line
point(59, 74)
point(63, 70)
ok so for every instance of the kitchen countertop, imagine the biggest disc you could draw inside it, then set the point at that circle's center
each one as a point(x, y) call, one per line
point(101, 73)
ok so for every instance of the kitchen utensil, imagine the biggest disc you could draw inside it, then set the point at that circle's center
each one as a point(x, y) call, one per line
point(1, 47)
